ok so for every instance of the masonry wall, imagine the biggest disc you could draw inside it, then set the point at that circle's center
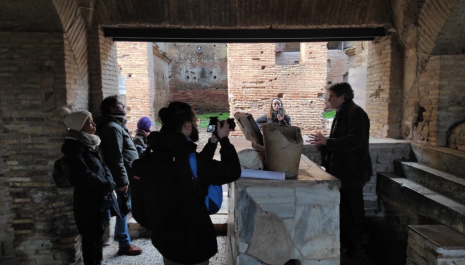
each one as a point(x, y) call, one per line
point(135, 60)
point(435, 102)
point(254, 79)
point(161, 63)
point(103, 71)
point(384, 87)
point(199, 77)
point(37, 224)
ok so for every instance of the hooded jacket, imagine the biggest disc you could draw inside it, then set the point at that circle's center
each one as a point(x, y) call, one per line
point(347, 149)
point(117, 147)
point(182, 230)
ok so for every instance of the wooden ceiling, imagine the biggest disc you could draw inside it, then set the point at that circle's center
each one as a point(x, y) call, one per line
point(244, 14)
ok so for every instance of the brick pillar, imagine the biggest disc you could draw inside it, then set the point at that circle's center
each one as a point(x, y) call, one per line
point(103, 70)
point(135, 59)
point(384, 84)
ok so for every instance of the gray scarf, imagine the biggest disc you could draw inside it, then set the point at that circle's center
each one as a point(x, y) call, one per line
point(90, 140)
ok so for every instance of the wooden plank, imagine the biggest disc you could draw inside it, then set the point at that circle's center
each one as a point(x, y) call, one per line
point(312, 13)
point(362, 14)
point(324, 9)
point(306, 6)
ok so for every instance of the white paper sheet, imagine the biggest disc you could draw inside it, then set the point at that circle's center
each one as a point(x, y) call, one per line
point(261, 174)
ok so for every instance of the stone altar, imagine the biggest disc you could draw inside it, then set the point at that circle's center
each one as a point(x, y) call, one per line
point(272, 221)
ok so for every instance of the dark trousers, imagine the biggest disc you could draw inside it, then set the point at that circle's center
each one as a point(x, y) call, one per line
point(352, 219)
point(92, 247)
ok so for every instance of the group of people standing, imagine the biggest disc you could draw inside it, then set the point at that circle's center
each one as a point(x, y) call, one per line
point(101, 155)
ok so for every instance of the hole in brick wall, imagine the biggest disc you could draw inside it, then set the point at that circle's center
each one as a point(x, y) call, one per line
point(321, 95)
point(329, 82)
point(263, 67)
point(214, 77)
point(187, 77)
point(261, 52)
point(418, 114)
point(214, 45)
point(195, 78)
point(211, 72)
point(129, 75)
point(280, 95)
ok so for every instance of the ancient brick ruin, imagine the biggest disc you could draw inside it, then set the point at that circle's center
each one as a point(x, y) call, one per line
point(58, 53)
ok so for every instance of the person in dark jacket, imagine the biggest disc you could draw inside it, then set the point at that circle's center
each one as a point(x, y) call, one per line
point(118, 152)
point(182, 230)
point(347, 157)
point(273, 116)
point(142, 132)
point(94, 185)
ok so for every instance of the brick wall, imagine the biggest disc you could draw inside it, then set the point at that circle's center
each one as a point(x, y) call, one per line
point(161, 72)
point(254, 79)
point(135, 60)
point(456, 139)
point(199, 78)
point(77, 80)
point(435, 102)
point(451, 105)
point(36, 219)
point(383, 88)
point(103, 70)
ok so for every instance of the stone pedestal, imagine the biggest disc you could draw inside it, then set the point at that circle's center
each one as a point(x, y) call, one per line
point(272, 222)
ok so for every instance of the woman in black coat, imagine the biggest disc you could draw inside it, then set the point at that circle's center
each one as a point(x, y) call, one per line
point(93, 193)
point(273, 115)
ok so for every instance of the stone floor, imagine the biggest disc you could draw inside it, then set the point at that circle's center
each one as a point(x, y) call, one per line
point(150, 255)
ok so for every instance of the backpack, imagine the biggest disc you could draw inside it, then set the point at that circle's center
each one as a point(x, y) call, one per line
point(214, 197)
point(61, 174)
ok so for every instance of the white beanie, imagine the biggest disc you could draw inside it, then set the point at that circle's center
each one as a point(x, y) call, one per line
point(74, 119)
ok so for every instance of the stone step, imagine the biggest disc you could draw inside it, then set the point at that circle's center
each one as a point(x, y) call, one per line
point(445, 159)
point(437, 180)
point(422, 200)
point(435, 244)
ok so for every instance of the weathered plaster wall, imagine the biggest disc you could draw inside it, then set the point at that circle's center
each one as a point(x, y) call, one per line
point(199, 77)
point(254, 79)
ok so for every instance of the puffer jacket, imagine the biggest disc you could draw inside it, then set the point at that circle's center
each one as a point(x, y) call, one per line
point(182, 230)
point(117, 147)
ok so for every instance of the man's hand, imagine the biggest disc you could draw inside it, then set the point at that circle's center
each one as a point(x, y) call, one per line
point(124, 189)
point(214, 139)
point(222, 131)
point(318, 139)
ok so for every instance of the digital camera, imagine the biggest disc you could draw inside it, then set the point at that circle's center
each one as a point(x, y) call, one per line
point(213, 121)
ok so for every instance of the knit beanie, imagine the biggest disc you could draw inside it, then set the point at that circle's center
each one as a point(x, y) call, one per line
point(74, 119)
point(144, 124)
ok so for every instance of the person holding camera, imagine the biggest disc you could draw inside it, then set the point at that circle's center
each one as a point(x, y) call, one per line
point(276, 114)
point(174, 197)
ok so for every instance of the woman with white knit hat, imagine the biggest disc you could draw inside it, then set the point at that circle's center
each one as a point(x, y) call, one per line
point(94, 185)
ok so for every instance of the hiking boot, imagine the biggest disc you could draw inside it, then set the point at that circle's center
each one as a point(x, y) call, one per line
point(130, 250)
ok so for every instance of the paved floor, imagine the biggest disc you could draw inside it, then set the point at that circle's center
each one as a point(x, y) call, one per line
point(151, 256)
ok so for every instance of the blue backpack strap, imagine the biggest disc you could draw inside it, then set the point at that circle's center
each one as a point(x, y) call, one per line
point(193, 162)
point(214, 197)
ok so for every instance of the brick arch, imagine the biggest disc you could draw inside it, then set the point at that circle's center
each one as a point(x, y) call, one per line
point(456, 136)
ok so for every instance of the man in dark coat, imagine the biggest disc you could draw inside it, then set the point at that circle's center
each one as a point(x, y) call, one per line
point(182, 230)
point(347, 157)
point(118, 152)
